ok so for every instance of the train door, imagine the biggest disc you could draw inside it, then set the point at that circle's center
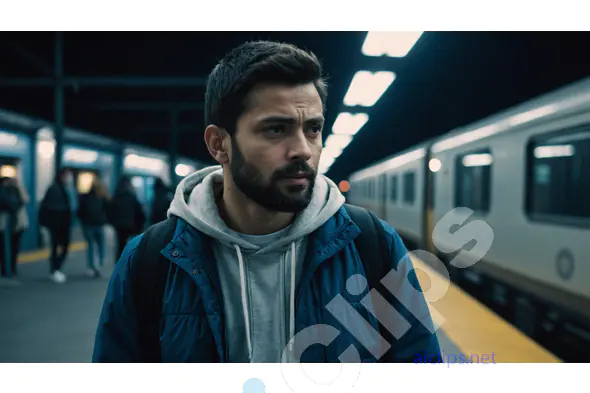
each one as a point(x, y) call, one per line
point(144, 189)
point(430, 169)
point(383, 196)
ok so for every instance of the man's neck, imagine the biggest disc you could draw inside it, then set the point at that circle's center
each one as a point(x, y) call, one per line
point(243, 215)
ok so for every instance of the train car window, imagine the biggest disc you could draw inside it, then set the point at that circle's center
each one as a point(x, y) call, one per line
point(393, 190)
point(409, 187)
point(558, 173)
point(473, 179)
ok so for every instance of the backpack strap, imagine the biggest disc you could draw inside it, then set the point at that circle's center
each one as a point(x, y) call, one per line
point(149, 277)
point(371, 244)
point(372, 247)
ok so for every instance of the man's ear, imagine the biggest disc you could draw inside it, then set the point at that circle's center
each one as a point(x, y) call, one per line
point(218, 143)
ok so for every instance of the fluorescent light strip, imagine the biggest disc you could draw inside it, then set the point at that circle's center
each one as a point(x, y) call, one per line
point(140, 162)
point(390, 43)
point(80, 156)
point(338, 141)
point(366, 87)
point(7, 139)
point(349, 124)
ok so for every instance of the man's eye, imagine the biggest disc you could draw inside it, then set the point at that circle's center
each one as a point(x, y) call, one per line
point(275, 130)
point(316, 129)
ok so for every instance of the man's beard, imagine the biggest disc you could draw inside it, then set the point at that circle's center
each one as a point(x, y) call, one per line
point(251, 182)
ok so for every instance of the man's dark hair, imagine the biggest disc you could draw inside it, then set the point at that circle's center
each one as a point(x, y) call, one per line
point(251, 64)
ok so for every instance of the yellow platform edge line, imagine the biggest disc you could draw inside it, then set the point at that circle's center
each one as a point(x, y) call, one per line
point(475, 329)
point(39, 255)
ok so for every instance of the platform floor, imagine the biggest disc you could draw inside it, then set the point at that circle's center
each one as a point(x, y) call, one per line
point(41, 321)
point(45, 322)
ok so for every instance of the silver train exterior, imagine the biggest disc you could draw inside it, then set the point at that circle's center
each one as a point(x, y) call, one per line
point(526, 173)
point(27, 150)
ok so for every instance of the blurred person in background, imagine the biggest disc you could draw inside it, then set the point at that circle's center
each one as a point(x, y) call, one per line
point(14, 221)
point(92, 213)
point(126, 214)
point(56, 215)
point(162, 200)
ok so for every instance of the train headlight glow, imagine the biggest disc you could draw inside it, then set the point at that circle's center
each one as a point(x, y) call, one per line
point(434, 165)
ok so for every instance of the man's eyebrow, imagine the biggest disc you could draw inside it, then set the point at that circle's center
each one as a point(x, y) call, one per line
point(290, 120)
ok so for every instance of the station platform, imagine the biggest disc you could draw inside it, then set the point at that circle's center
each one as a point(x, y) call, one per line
point(41, 321)
point(471, 330)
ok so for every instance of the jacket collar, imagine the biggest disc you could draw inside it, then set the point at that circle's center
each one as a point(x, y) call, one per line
point(191, 249)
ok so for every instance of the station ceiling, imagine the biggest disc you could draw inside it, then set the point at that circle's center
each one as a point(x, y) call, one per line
point(449, 79)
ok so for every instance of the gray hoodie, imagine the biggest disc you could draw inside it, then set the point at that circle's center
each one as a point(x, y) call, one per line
point(258, 274)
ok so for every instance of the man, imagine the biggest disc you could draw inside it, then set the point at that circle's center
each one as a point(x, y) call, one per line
point(55, 214)
point(125, 213)
point(162, 198)
point(262, 243)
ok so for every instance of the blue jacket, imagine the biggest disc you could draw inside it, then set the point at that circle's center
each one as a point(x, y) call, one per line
point(192, 328)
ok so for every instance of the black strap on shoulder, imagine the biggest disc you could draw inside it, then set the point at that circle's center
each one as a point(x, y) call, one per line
point(150, 270)
point(149, 273)
point(371, 244)
point(374, 252)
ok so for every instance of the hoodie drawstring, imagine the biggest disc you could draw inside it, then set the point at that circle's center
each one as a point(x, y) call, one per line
point(292, 299)
point(245, 301)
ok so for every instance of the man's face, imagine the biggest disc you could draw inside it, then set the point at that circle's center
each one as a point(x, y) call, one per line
point(277, 145)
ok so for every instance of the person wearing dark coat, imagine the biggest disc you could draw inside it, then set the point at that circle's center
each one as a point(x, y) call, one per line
point(126, 214)
point(13, 223)
point(55, 214)
point(92, 213)
point(162, 199)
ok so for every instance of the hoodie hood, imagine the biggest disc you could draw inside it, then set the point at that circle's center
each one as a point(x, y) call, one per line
point(194, 202)
point(256, 273)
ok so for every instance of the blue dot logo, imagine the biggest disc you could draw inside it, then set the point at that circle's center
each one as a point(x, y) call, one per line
point(254, 385)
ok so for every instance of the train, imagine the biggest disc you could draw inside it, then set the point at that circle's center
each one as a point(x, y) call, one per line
point(28, 148)
point(525, 172)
